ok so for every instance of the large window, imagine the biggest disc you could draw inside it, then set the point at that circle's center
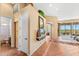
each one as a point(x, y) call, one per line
point(69, 29)
point(65, 29)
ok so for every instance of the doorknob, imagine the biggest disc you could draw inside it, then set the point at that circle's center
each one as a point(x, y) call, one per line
point(25, 38)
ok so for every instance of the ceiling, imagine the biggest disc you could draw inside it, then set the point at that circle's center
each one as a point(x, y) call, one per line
point(63, 11)
point(6, 9)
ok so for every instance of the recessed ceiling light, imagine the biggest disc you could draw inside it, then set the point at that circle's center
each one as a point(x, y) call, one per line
point(50, 5)
point(4, 24)
point(56, 9)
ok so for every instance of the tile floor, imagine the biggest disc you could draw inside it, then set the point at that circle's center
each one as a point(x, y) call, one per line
point(8, 51)
point(57, 49)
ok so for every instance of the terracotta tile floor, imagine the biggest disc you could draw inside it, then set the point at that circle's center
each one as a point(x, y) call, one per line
point(57, 49)
point(7, 51)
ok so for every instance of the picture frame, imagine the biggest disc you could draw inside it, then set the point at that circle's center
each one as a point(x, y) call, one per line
point(41, 29)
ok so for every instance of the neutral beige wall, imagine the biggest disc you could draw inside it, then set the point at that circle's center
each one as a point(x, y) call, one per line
point(34, 44)
point(6, 10)
point(54, 22)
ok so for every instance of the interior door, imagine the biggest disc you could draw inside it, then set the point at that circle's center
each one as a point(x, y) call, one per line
point(23, 32)
point(49, 29)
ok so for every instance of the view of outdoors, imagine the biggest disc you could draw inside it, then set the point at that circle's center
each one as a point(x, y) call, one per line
point(67, 29)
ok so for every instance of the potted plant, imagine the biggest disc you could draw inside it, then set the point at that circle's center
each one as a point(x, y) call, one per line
point(41, 13)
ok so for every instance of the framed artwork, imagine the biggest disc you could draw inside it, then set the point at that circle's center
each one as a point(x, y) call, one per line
point(41, 29)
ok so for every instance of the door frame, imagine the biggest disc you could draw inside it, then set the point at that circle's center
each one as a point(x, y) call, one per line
point(16, 34)
point(51, 28)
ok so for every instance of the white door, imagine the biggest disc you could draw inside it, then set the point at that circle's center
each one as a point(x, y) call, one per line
point(23, 32)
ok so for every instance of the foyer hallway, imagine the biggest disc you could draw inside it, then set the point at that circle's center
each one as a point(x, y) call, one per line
point(58, 49)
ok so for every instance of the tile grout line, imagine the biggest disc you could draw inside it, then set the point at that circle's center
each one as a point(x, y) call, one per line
point(47, 49)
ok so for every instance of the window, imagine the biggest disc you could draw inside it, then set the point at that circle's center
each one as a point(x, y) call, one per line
point(77, 29)
point(62, 29)
point(67, 29)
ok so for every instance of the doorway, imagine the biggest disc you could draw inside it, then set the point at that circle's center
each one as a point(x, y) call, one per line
point(5, 31)
point(49, 29)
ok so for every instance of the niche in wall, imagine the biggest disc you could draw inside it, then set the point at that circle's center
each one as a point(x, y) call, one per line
point(41, 29)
